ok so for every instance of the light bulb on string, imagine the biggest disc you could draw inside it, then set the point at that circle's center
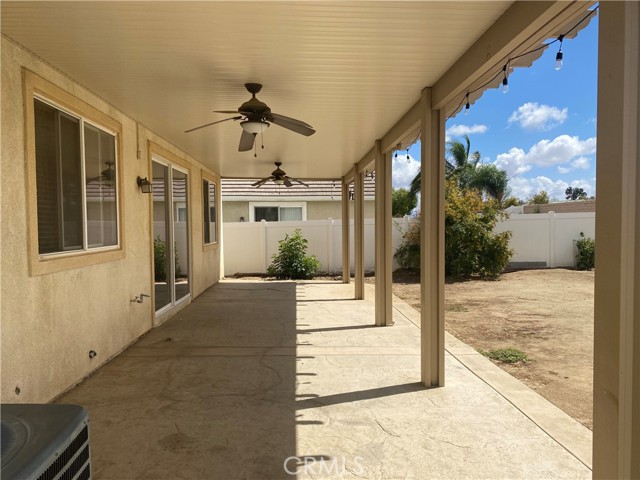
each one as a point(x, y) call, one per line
point(467, 107)
point(505, 80)
point(408, 157)
point(559, 55)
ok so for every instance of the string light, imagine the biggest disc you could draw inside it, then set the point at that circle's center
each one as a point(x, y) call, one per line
point(398, 146)
point(408, 157)
point(505, 80)
point(503, 71)
point(558, 65)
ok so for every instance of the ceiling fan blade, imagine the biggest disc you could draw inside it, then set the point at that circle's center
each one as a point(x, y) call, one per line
point(226, 111)
point(212, 123)
point(291, 120)
point(287, 183)
point(299, 181)
point(259, 183)
point(292, 124)
point(246, 141)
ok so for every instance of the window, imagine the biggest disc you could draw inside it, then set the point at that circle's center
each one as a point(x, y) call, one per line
point(76, 180)
point(209, 208)
point(284, 212)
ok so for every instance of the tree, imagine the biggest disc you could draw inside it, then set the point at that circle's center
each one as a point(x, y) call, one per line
point(471, 246)
point(462, 165)
point(511, 201)
point(402, 202)
point(576, 193)
point(540, 198)
point(491, 181)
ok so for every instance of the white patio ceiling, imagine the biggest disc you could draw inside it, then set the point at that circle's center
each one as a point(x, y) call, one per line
point(350, 69)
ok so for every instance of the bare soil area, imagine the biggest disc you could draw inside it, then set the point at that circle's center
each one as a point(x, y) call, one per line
point(548, 314)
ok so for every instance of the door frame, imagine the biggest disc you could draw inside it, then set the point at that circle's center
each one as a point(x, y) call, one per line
point(164, 157)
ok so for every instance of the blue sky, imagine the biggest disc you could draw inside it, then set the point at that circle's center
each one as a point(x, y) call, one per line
point(542, 131)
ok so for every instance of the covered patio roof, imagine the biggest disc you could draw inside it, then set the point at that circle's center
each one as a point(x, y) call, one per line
point(350, 69)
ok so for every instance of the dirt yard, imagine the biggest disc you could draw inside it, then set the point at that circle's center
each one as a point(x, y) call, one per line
point(548, 314)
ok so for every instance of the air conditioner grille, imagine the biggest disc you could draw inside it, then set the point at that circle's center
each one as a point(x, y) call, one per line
point(63, 462)
point(85, 474)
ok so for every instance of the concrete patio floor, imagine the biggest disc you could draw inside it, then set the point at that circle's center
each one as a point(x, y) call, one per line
point(254, 373)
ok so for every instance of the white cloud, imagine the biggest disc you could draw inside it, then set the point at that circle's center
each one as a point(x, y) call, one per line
point(524, 188)
point(563, 169)
point(403, 170)
point(583, 163)
point(460, 130)
point(533, 116)
point(546, 153)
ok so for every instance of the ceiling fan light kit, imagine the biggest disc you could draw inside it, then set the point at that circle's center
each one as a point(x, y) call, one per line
point(254, 127)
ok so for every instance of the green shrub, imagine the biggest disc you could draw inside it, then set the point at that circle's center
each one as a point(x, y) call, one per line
point(291, 261)
point(471, 246)
point(408, 253)
point(160, 260)
point(505, 355)
point(586, 256)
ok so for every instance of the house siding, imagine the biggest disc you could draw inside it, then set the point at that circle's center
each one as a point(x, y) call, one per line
point(316, 210)
point(51, 321)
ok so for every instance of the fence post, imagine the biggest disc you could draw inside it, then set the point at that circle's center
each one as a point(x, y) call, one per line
point(330, 245)
point(263, 244)
point(552, 240)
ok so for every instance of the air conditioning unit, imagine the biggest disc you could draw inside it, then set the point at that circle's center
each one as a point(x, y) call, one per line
point(44, 442)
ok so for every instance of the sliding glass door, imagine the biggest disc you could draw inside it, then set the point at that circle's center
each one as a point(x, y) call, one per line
point(170, 235)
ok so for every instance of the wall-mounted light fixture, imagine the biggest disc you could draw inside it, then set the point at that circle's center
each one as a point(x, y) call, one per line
point(145, 185)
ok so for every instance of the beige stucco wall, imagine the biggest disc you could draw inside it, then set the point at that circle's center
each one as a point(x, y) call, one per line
point(51, 321)
point(316, 210)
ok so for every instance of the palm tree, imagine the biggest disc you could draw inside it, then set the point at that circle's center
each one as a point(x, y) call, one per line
point(491, 181)
point(463, 165)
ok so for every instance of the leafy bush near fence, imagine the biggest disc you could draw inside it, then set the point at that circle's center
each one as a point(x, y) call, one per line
point(160, 260)
point(292, 261)
point(472, 249)
point(586, 255)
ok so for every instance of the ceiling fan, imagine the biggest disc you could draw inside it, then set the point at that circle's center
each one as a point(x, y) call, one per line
point(279, 177)
point(107, 176)
point(256, 117)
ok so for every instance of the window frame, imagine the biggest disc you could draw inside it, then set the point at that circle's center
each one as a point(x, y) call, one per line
point(36, 87)
point(302, 205)
point(208, 177)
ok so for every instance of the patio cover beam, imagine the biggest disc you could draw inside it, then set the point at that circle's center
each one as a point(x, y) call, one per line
point(384, 246)
point(358, 227)
point(523, 25)
point(346, 264)
point(432, 243)
point(616, 388)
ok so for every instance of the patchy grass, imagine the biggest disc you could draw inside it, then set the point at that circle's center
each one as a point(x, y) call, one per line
point(455, 307)
point(505, 355)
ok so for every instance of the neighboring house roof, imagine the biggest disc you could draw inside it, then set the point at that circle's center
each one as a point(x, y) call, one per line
point(562, 207)
point(318, 190)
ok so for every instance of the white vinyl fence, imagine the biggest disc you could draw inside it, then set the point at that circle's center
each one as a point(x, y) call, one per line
point(249, 246)
point(545, 240)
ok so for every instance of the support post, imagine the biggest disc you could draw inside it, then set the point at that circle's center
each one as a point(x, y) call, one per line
point(432, 243)
point(384, 247)
point(616, 388)
point(358, 215)
point(346, 270)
